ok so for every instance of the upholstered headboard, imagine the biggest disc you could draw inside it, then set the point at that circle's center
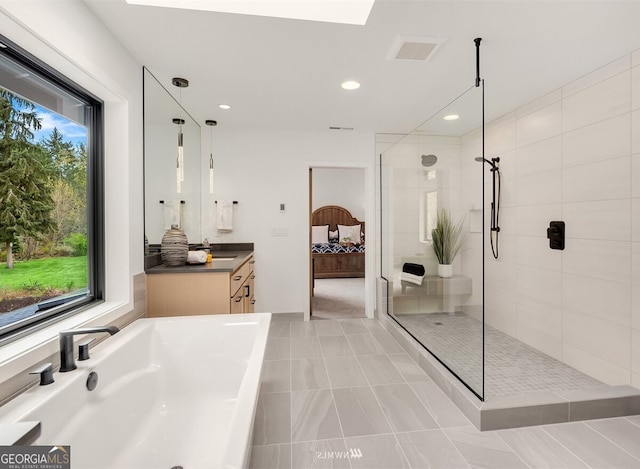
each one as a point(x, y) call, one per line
point(333, 215)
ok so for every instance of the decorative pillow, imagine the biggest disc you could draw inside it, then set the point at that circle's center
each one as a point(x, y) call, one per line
point(319, 234)
point(349, 234)
point(333, 236)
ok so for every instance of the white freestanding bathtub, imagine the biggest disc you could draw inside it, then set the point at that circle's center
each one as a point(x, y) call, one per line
point(171, 392)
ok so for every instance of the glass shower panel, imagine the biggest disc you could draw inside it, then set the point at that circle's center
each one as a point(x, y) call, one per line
point(428, 174)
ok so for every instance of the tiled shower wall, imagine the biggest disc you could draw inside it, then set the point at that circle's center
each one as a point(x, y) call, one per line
point(571, 155)
point(405, 180)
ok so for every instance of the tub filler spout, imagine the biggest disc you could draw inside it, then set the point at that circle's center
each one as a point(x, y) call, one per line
point(67, 361)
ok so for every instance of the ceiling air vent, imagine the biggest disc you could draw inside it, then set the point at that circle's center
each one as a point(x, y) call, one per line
point(414, 48)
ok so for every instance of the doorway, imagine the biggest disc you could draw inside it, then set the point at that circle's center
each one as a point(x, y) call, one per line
point(337, 274)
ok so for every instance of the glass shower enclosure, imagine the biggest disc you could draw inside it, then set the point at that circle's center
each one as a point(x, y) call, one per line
point(437, 170)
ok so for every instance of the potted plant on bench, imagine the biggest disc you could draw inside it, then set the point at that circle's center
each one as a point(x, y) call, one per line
point(447, 240)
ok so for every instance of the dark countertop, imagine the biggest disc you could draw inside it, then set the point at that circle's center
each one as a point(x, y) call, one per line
point(216, 265)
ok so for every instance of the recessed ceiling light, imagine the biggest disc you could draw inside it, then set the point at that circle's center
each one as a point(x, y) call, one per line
point(224, 106)
point(451, 117)
point(352, 12)
point(350, 85)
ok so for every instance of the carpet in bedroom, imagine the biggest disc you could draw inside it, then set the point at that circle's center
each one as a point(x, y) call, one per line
point(338, 298)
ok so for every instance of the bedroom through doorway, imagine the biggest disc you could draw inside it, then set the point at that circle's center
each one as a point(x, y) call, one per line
point(337, 251)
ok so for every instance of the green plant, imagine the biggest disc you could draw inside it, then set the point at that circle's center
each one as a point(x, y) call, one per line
point(78, 243)
point(447, 237)
point(32, 285)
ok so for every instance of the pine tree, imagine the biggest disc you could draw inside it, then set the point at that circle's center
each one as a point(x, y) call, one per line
point(25, 174)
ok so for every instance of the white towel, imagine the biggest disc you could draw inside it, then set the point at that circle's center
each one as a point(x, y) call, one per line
point(172, 214)
point(415, 279)
point(224, 214)
point(196, 257)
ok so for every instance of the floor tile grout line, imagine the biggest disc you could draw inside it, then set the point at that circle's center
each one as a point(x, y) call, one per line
point(290, 399)
point(612, 441)
point(370, 386)
point(413, 391)
point(403, 453)
point(513, 450)
point(333, 397)
point(444, 431)
point(626, 417)
point(542, 427)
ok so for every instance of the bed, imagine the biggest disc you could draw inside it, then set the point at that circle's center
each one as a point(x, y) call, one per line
point(340, 255)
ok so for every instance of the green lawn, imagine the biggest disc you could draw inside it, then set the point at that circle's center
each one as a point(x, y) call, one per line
point(60, 273)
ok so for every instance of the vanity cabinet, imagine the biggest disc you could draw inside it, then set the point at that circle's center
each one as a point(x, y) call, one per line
point(242, 299)
point(198, 290)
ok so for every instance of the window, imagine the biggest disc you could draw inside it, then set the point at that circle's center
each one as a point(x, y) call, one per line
point(51, 194)
point(428, 207)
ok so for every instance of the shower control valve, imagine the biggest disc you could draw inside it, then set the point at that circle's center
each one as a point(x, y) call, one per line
point(555, 234)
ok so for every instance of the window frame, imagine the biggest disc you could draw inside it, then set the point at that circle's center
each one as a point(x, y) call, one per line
point(95, 208)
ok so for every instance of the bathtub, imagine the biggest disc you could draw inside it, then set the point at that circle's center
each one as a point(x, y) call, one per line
point(171, 392)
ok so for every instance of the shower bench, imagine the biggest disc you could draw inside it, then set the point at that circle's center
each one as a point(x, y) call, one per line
point(448, 291)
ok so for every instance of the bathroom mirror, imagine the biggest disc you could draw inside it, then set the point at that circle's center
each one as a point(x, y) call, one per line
point(168, 200)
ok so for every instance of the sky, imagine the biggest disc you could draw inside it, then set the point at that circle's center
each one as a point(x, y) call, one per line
point(70, 131)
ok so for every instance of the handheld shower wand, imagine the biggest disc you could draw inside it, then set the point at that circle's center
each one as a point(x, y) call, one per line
point(495, 202)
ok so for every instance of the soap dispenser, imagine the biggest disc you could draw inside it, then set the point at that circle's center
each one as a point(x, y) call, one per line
point(206, 247)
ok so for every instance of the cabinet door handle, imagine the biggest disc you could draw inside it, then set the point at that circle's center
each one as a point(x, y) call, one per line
point(253, 277)
point(253, 302)
point(239, 299)
point(252, 262)
point(237, 277)
point(247, 292)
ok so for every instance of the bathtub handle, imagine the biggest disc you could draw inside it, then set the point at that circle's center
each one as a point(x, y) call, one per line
point(83, 349)
point(46, 373)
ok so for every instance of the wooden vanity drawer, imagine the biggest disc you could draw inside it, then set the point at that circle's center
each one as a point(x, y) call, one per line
point(237, 303)
point(240, 276)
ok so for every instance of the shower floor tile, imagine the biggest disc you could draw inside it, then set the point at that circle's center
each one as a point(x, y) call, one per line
point(511, 367)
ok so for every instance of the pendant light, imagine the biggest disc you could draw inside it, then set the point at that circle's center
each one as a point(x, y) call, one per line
point(211, 124)
point(180, 83)
point(180, 158)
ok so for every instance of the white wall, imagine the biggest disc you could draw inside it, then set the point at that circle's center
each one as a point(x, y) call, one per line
point(340, 186)
point(262, 169)
point(572, 155)
point(67, 36)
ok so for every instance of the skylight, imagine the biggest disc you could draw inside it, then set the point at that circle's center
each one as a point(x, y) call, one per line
point(331, 11)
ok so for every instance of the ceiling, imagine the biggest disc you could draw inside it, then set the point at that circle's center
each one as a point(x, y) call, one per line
point(286, 74)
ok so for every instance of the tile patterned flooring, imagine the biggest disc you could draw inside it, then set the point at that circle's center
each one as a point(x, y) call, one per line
point(344, 394)
point(511, 367)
